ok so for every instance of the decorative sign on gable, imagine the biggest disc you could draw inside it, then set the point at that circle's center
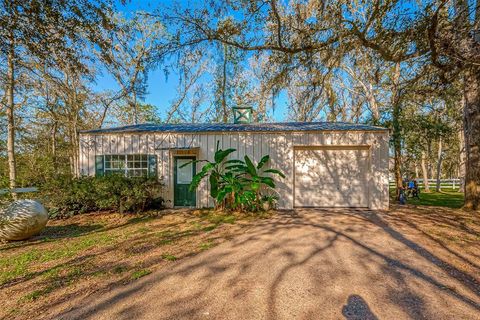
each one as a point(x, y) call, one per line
point(242, 114)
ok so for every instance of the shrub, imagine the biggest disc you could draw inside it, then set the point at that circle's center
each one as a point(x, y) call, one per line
point(66, 197)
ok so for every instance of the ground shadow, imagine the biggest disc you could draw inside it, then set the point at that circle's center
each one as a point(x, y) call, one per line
point(67, 231)
point(357, 309)
point(466, 279)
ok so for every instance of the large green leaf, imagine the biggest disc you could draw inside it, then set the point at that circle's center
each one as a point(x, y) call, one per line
point(196, 180)
point(263, 161)
point(213, 185)
point(237, 168)
point(250, 167)
point(199, 176)
point(268, 181)
point(220, 155)
point(221, 195)
point(232, 161)
point(275, 171)
point(209, 166)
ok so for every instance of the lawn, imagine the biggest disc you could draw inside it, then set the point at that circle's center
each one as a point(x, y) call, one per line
point(446, 198)
point(93, 252)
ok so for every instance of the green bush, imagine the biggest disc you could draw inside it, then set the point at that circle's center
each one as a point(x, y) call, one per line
point(66, 196)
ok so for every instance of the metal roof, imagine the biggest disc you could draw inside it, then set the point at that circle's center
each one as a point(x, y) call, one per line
point(230, 127)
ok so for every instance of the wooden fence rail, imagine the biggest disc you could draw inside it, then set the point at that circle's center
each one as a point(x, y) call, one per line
point(444, 183)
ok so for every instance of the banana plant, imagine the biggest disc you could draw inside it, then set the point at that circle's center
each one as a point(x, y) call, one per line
point(253, 177)
point(235, 184)
point(221, 184)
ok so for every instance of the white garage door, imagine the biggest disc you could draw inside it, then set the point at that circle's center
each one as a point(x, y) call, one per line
point(331, 177)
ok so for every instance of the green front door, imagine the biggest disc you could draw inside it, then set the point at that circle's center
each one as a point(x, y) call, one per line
point(182, 176)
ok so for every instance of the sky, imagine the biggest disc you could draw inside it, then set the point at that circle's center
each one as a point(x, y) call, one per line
point(162, 91)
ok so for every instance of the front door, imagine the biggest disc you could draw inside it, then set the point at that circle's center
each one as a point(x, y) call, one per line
point(184, 171)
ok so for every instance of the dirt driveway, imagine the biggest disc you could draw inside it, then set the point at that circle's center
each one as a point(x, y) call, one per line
point(312, 264)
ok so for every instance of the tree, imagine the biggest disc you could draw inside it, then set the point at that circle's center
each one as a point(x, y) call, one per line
point(134, 48)
point(228, 83)
point(36, 31)
point(192, 65)
point(443, 35)
point(144, 113)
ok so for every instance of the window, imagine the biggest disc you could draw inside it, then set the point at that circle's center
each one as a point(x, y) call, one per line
point(129, 165)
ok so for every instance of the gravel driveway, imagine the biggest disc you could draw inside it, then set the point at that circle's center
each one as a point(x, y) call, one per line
point(312, 264)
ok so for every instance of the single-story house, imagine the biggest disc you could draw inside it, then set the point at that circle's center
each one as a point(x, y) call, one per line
point(326, 164)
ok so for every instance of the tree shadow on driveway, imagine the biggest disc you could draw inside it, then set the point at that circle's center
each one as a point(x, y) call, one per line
point(298, 266)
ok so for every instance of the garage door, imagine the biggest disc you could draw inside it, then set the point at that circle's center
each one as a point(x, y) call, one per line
point(331, 177)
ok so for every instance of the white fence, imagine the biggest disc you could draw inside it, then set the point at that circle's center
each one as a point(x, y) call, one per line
point(19, 190)
point(444, 183)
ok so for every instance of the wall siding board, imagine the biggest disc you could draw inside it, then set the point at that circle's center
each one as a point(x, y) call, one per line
point(128, 144)
point(256, 139)
point(265, 146)
point(114, 145)
point(136, 143)
point(142, 144)
point(98, 145)
point(106, 144)
point(203, 188)
point(234, 145)
point(91, 155)
point(120, 144)
point(211, 147)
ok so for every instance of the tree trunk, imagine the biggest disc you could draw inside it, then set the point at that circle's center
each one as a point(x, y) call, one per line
point(373, 105)
point(429, 156)
point(224, 86)
point(417, 175)
point(396, 134)
point(54, 146)
point(135, 108)
point(439, 165)
point(12, 170)
point(74, 136)
point(461, 174)
point(471, 124)
point(426, 186)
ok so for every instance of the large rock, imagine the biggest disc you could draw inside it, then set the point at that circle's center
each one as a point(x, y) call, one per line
point(22, 219)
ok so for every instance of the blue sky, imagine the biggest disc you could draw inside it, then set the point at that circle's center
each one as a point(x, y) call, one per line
point(162, 91)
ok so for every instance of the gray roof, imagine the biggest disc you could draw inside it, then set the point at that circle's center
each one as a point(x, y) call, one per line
point(230, 127)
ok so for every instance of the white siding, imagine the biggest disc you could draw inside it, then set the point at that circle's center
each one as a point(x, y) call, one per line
point(279, 145)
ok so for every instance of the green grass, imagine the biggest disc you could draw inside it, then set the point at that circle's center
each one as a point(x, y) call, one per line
point(221, 218)
point(20, 266)
point(140, 273)
point(169, 257)
point(207, 245)
point(210, 227)
point(446, 198)
point(34, 295)
point(55, 280)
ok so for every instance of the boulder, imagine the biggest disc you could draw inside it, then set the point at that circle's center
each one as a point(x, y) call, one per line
point(22, 219)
